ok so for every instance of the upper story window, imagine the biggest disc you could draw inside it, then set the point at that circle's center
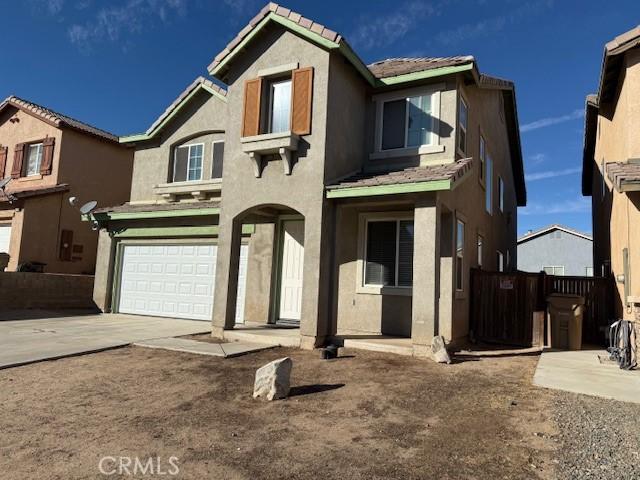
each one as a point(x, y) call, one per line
point(34, 159)
point(187, 163)
point(216, 162)
point(500, 193)
point(407, 122)
point(500, 261)
point(488, 166)
point(463, 119)
point(459, 255)
point(279, 106)
point(483, 154)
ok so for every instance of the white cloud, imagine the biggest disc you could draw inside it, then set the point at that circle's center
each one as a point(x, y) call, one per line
point(579, 204)
point(537, 158)
point(547, 122)
point(384, 30)
point(113, 23)
point(492, 25)
point(532, 177)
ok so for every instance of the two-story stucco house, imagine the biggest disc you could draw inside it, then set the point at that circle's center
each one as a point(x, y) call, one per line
point(611, 170)
point(48, 158)
point(556, 250)
point(346, 199)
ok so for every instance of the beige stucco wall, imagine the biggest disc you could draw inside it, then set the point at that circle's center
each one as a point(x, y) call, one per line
point(616, 215)
point(94, 170)
point(202, 120)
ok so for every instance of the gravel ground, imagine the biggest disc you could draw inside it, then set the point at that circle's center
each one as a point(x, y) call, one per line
point(598, 438)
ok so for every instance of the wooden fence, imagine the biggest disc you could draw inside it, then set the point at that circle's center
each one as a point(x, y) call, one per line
point(503, 305)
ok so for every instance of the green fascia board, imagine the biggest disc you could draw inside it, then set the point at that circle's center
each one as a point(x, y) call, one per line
point(436, 72)
point(187, 212)
point(166, 232)
point(147, 136)
point(314, 37)
point(398, 188)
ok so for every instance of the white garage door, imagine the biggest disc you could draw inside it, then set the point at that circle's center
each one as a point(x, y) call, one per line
point(172, 281)
point(5, 236)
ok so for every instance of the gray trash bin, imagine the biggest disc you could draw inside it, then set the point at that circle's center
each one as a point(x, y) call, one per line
point(565, 317)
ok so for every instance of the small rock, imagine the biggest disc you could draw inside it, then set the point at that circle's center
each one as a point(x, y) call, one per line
point(514, 403)
point(438, 350)
point(273, 379)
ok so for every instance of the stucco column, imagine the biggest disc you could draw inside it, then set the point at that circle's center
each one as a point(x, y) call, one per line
point(316, 283)
point(103, 279)
point(426, 273)
point(226, 285)
point(444, 326)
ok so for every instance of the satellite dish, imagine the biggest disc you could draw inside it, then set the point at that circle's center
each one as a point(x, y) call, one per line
point(88, 207)
point(73, 200)
point(3, 182)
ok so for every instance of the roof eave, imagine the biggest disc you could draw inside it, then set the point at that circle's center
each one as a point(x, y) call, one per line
point(588, 151)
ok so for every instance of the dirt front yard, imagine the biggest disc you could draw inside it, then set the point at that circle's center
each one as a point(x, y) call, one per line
point(366, 415)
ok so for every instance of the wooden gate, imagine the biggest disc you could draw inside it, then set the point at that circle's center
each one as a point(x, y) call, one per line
point(502, 305)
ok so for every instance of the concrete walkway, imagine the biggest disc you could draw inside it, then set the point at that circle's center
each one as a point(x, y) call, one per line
point(231, 349)
point(37, 339)
point(582, 372)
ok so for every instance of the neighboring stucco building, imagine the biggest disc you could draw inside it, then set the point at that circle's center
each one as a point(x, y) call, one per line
point(353, 199)
point(556, 250)
point(611, 169)
point(50, 157)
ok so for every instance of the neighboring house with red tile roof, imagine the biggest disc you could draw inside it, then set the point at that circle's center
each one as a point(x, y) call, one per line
point(351, 199)
point(611, 170)
point(48, 157)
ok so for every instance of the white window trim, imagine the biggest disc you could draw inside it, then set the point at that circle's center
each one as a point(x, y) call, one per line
point(488, 182)
point(434, 147)
point(175, 152)
point(544, 267)
point(482, 155)
point(463, 153)
point(270, 99)
point(39, 163)
point(499, 255)
point(464, 234)
point(500, 193)
point(363, 221)
point(212, 159)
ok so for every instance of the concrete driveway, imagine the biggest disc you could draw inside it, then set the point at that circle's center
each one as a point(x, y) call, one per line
point(31, 340)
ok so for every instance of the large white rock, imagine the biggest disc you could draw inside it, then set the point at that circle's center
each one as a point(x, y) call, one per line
point(273, 379)
point(439, 351)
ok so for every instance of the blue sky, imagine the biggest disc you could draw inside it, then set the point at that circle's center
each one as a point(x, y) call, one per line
point(118, 64)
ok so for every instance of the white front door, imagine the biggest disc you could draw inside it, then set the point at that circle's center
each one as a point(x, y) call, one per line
point(5, 236)
point(291, 273)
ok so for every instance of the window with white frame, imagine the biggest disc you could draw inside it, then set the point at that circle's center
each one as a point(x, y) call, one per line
point(483, 153)
point(459, 255)
point(500, 194)
point(217, 157)
point(187, 162)
point(34, 159)
point(389, 253)
point(480, 246)
point(463, 120)
point(407, 122)
point(554, 270)
point(279, 106)
point(500, 261)
point(488, 184)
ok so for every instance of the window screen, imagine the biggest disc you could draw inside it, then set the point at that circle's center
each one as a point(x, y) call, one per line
point(405, 253)
point(180, 163)
point(381, 253)
point(218, 154)
point(393, 124)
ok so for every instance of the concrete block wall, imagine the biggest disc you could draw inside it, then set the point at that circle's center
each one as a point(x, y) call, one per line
point(22, 290)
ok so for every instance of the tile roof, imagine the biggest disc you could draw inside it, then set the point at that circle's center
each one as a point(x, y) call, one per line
point(450, 171)
point(33, 191)
point(156, 207)
point(624, 173)
point(392, 67)
point(57, 119)
point(281, 11)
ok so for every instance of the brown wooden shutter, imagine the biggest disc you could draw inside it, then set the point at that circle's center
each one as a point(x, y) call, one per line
point(251, 112)
point(302, 93)
point(16, 170)
point(4, 151)
point(66, 244)
point(47, 156)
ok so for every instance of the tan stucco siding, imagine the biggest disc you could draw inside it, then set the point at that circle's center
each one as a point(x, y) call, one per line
point(203, 119)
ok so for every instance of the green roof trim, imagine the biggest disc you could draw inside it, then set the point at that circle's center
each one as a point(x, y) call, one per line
point(398, 188)
point(140, 137)
point(316, 38)
point(169, 232)
point(186, 212)
point(424, 74)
